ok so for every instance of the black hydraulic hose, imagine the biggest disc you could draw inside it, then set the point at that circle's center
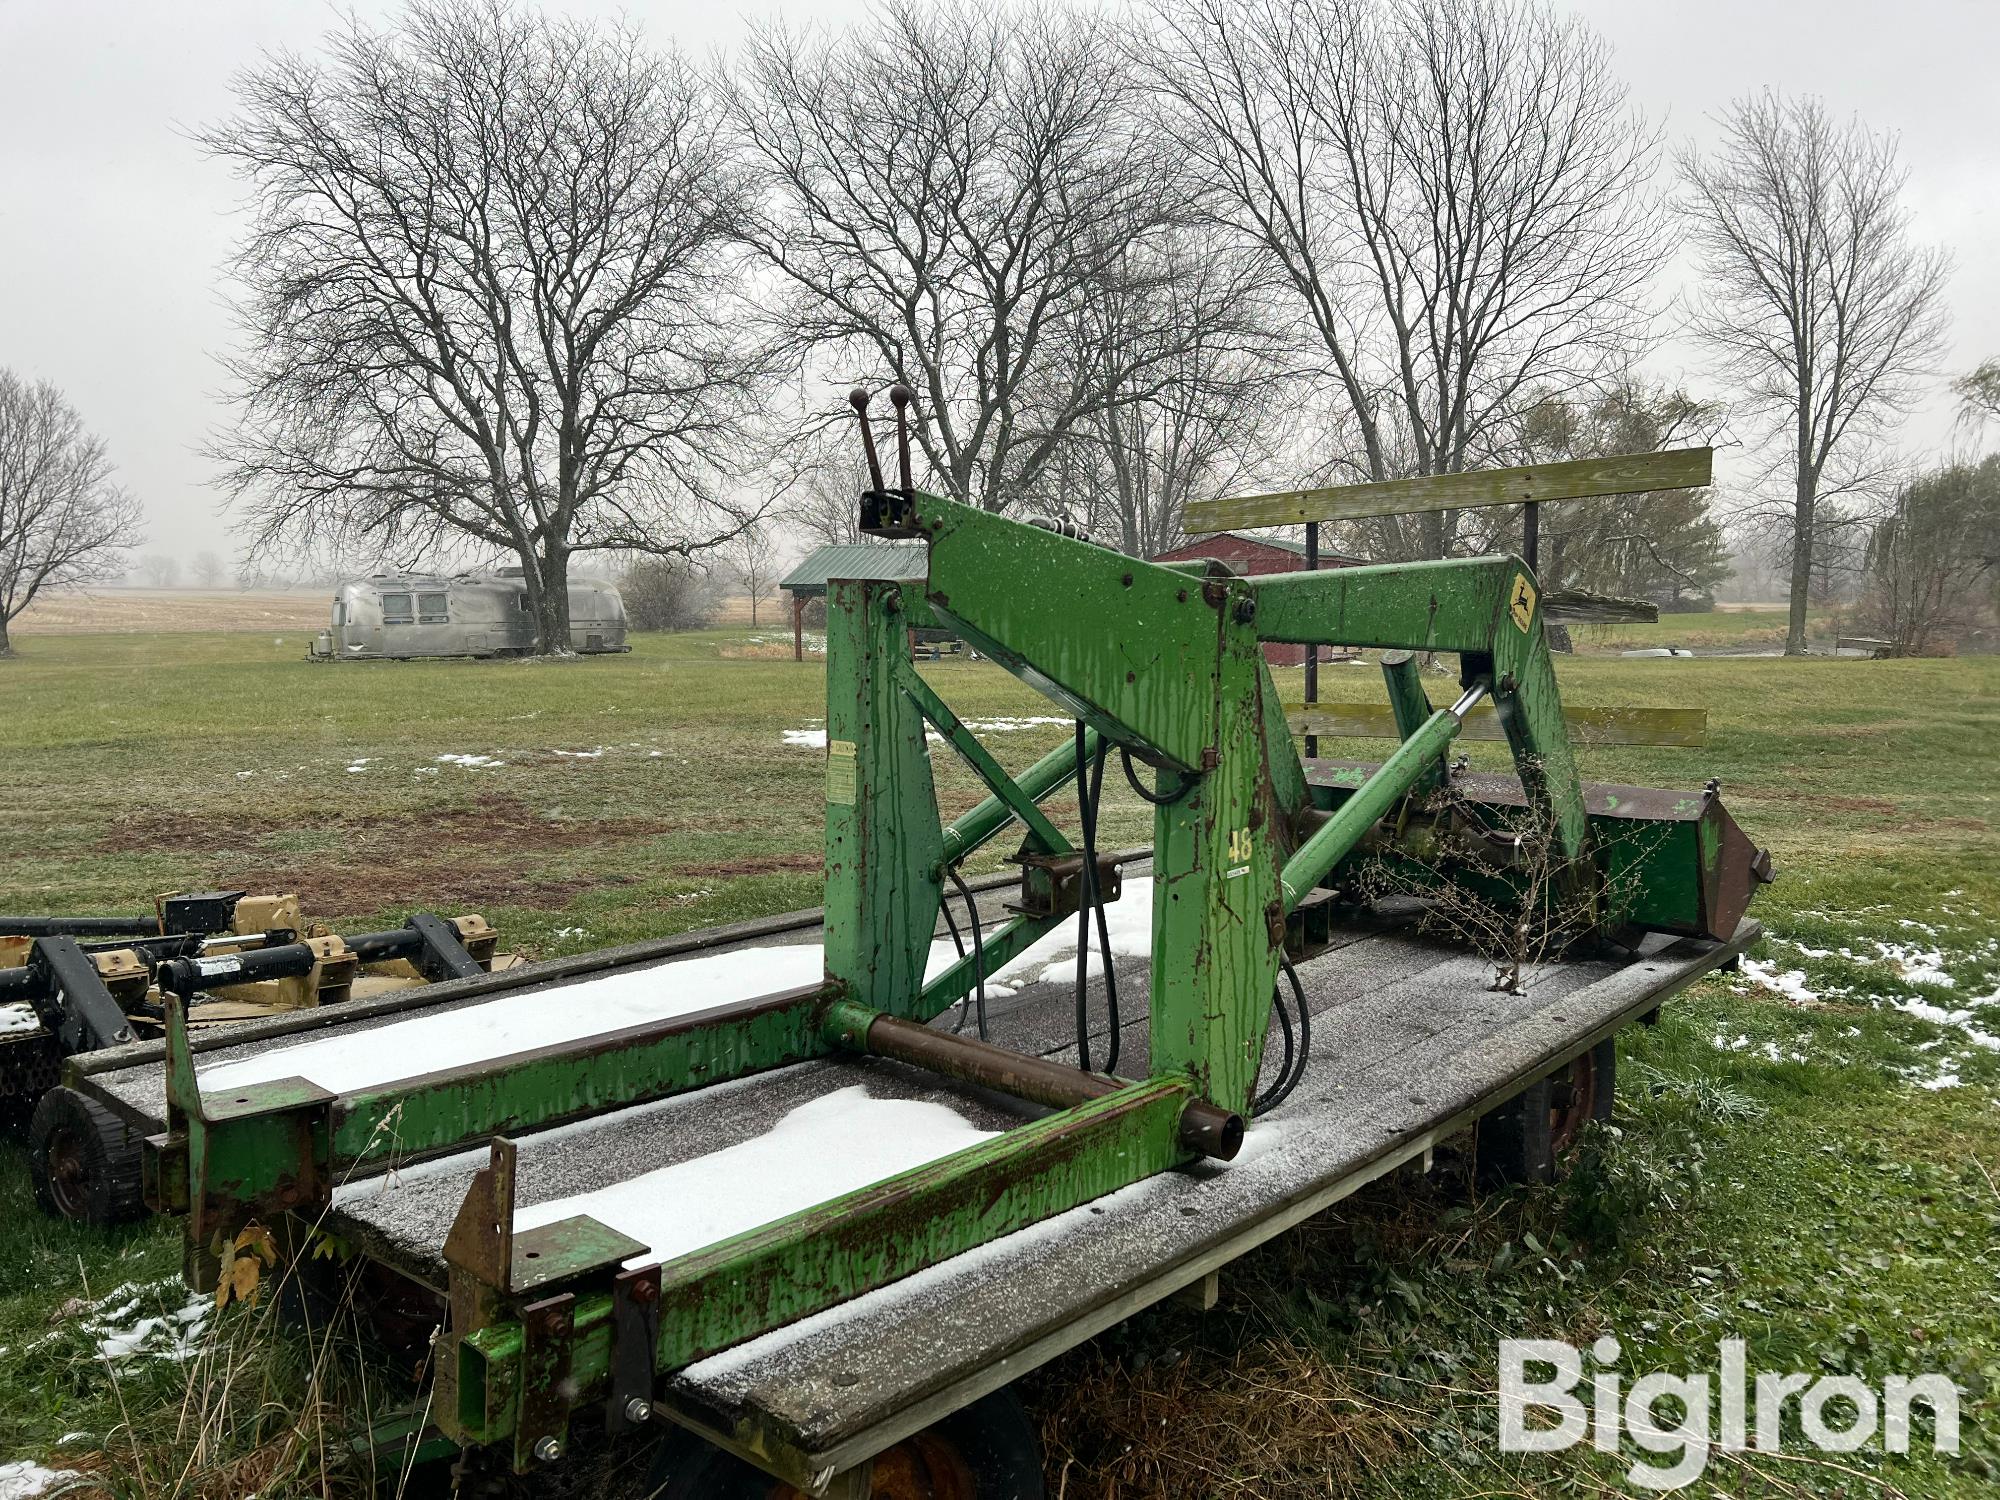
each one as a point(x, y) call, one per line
point(1294, 1068)
point(1264, 1100)
point(1305, 1016)
point(1083, 906)
point(1132, 776)
point(957, 942)
point(1089, 792)
point(1097, 902)
point(978, 953)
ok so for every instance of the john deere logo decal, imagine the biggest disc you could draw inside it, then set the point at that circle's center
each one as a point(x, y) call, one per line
point(1521, 603)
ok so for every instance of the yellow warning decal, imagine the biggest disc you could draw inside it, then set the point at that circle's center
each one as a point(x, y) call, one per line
point(840, 772)
point(1521, 602)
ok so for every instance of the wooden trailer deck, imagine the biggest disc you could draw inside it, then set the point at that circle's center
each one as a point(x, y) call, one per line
point(1409, 1046)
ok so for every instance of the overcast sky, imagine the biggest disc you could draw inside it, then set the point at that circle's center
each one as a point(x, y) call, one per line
point(112, 226)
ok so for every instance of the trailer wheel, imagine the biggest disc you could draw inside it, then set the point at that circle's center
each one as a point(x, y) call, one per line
point(84, 1161)
point(986, 1451)
point(1525, 1139)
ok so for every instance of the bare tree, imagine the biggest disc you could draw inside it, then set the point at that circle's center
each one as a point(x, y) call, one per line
point(668, 593)
point(1196, 416)
point(160, 571)
point(62, 521)
point(1813, 295)
point(1928, 559)
point(755, 565)
point(490, 292)
point(1979, 394)
point(947, 187)
point(1455, 191)
point(208, 569)
point(820, 504)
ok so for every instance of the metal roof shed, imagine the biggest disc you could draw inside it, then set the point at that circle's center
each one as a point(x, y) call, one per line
point(901, 561)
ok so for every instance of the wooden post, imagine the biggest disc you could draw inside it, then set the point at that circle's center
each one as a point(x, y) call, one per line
point(798, 624)
point(1531, 536)
point(1312, 651)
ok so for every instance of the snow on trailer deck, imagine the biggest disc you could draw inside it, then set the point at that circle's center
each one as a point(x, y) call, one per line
point(1409, 1045)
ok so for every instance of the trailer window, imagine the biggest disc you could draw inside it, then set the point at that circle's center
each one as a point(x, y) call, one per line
point(396, 609)
point(431, 608)
point(339, 613)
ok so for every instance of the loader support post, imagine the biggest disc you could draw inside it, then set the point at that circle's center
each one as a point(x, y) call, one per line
point(883, 844)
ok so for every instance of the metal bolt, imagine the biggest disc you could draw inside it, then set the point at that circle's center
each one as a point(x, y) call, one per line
point(549, 1449)
point(638, 1409)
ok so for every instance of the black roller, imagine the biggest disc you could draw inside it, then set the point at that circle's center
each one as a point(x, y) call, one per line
point(185, 976)
point(20, 984)
point(90, 927)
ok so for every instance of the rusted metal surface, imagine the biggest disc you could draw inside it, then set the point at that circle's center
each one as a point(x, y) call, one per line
point(481, 1242)
point(548, 1388)
point(635, 1335)
point(1052, 884)
point(1211, 1132)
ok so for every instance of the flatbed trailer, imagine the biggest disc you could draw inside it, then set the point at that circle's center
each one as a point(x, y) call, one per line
point(778, 1193)
point(1411, 1046)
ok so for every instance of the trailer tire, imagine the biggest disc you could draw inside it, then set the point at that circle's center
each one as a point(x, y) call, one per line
point(1525, 1140)
point(84, 1161)
point(989, 1450)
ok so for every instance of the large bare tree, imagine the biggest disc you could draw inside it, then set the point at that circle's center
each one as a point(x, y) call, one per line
point(62, 520)
point(1194, 416)
point(1821, 307)
point(1456, 193)
point(946, 189)
point(490, 295)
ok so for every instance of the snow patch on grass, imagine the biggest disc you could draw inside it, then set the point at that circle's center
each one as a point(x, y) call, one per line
point(1791, 983)
point(121, 1332)
point(24, 1478)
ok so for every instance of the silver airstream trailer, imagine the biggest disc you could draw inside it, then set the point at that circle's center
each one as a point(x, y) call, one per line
point(397, 616)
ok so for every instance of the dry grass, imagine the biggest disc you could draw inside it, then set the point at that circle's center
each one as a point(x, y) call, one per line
point(113, 611)
point(1275, 1418)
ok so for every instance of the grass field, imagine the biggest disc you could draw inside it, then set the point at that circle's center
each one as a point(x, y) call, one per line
point(1805, 1155)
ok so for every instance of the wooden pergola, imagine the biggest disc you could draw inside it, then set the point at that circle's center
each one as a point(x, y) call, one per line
point(900, 561)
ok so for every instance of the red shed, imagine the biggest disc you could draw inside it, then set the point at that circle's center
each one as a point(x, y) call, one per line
point(1258, 554)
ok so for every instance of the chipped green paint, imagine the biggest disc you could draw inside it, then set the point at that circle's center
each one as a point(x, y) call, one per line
point(717, 1297)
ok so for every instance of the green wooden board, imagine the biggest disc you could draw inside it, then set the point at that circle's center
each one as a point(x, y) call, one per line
point(1581, 479)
